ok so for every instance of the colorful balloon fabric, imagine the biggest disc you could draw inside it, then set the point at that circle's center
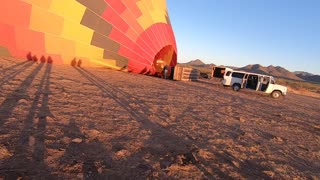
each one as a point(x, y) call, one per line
point(121, 34)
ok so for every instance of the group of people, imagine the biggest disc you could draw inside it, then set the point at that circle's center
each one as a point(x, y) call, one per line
point(43, 59)
point(74, 62)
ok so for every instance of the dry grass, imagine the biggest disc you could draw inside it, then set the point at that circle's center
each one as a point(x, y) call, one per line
point(301, 87)
point(60, 122)
point(4, 152)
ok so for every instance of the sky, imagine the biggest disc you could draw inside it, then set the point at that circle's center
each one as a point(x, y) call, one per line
point(240, 32)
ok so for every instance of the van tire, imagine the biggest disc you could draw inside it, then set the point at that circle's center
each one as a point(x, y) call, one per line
point(275, 94)
point(236, 87)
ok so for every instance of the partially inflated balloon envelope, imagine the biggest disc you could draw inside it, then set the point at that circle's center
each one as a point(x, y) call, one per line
point(122, 34)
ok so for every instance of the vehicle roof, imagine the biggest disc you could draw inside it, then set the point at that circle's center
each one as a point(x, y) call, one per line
point(251, 73)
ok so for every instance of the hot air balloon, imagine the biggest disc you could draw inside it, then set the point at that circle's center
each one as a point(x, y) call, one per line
point(121, 34)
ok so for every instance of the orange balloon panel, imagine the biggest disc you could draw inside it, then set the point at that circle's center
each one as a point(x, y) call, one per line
point(132, 34)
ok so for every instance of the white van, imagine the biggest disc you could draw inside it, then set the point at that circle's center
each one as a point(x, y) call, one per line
point(253, 81)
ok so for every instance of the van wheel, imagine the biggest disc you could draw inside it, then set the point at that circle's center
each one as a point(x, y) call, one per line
point(276, 94)
point(236, 87)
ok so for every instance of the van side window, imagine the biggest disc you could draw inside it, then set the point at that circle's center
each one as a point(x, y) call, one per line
point(272, 81)
point(237, 75)
point(228, 73)
point(260, 78)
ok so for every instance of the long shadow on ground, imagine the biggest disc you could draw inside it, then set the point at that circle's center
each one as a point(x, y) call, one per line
point(29, 151)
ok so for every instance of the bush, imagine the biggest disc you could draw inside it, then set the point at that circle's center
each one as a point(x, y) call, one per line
point(300, 85)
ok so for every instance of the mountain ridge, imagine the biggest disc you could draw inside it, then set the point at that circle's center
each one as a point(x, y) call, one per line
point(276, 71)
point(198, 63)
point(307, 76)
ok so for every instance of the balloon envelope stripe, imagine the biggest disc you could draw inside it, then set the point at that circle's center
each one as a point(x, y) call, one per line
point(132, 34)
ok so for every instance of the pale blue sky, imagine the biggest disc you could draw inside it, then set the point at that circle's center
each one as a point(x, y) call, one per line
point(239, 32)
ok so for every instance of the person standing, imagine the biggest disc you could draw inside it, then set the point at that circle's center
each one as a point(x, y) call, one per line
point(74, 62)
point(165, 72)
point(79, 63)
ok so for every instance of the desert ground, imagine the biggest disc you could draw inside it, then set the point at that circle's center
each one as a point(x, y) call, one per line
point(63, 122)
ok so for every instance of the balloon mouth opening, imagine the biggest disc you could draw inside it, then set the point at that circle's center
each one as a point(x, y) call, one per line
point(167, 56)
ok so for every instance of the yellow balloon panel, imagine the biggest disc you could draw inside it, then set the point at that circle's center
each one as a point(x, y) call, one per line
point(77, 32)
point(54, 44)
point(69, 9)
point(49, 23)
point(45, 4)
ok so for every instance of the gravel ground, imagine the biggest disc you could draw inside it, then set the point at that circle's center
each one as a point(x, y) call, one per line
point(62, 122)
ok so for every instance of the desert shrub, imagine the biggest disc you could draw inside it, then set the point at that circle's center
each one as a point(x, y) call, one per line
point(300, 85)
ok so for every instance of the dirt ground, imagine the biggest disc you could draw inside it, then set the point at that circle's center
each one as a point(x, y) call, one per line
point(61, 122)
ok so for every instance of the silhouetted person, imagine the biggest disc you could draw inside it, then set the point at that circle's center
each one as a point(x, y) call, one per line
point(50, 60)
point(79, 63)
point(74, 62)
point(165, 72)
point(43, 59)
point(29, 56)
point(35, 59)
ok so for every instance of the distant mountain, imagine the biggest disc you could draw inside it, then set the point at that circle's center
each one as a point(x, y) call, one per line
point(198, 63)
point(276, 71)
point(307, 76)
point(302, 73)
